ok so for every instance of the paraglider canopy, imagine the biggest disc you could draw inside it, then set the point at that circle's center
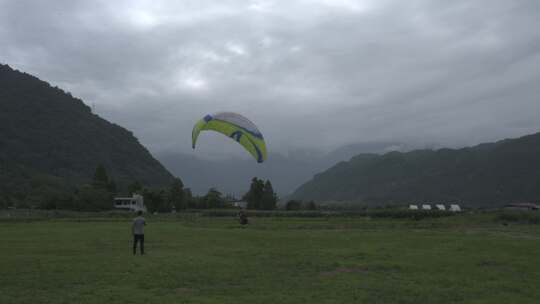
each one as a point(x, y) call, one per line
point(235, 126)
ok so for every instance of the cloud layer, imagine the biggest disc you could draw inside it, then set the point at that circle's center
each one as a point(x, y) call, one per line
point(311, 74)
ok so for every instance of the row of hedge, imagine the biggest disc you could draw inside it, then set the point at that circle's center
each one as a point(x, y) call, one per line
point(505, 216)
point(373, 213)
point(528, 217)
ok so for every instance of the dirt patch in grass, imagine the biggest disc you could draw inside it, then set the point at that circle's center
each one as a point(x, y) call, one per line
point(489, 263)
point(184, 291)
point(362, 269)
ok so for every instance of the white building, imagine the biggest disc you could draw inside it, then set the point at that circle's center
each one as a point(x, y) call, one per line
point(241, 204)
point(440, 207)
point(455, 208)
point(134, 203)
point(426, 207)
point(413, 207)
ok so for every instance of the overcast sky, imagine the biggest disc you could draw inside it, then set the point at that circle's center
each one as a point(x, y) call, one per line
point(310, 74)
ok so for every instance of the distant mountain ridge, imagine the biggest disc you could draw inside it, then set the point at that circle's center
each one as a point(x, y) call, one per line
point(233, 176)
point(491, 174)
point(46, 130)
point(285, 172)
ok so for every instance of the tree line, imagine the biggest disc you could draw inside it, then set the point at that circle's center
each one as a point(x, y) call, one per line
point(98, 195)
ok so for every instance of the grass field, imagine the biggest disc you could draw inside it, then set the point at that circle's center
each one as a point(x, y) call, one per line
point(460, 259)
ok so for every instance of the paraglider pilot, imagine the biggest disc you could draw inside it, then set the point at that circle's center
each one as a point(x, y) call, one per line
point(138, 232)
point(242, 218)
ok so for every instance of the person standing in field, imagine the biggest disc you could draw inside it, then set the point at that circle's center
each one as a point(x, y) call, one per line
point(138, 232)
point(242, 218)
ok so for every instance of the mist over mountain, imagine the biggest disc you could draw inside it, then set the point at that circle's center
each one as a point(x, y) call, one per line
point(348, 151)
point(491, 174)
point(45, 130)
point(286, 172)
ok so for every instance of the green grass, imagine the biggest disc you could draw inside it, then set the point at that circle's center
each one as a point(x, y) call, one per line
point(459, 259)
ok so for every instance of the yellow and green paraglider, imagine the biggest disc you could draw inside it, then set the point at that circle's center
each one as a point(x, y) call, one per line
point(236, 127)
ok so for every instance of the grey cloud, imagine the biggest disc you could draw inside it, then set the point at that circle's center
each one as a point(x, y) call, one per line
point(312, 74)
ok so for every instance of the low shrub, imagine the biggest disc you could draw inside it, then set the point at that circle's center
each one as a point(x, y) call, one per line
point(530, 217)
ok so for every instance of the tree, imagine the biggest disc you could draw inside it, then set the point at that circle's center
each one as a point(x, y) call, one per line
point(93, 199)
point(101, 179)
point(4, 201)
point(311, 205)
point(191, 201)
point(214, 199)
point(268, 197)
point(111, 186)
point(176, 195)
point(51, 198)
point(156, 200)
point(293, 205)
point(48, 192)
point(134, 187)
point(254, 196)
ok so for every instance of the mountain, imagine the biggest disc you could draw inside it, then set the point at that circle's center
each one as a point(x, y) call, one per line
point(44, 130)
point(485, 175)
point(233, 176)
point(348, 151)
point(286, 173)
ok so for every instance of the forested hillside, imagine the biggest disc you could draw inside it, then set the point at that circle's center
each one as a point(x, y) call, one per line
point(485, 175)
point(45, 133)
